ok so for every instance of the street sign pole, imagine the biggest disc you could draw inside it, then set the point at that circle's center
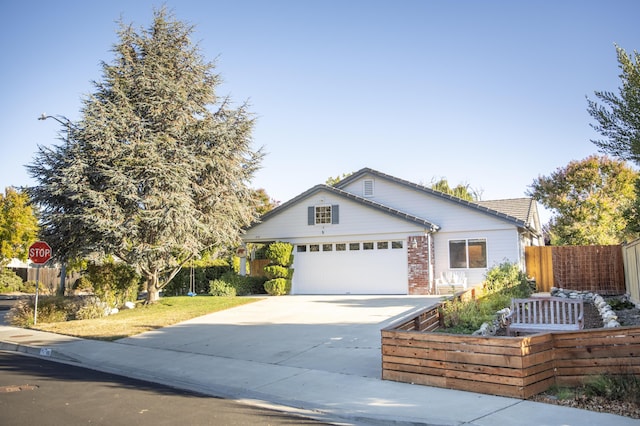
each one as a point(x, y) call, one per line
point(35, 306)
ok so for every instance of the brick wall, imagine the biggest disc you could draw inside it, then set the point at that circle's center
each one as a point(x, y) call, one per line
point(418, 259)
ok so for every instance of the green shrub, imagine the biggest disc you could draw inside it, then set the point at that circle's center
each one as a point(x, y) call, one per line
point(82, 284)
point(90, 307)
point(276, 271)
point(280, 253)
point(114, 283)
point(244, 285)
point(507, 277)
point(278, 286)
point(624, 387)
point(465, 317)
point(50, 309)
point(9, 281)
point(28, 287)
point(221, 288)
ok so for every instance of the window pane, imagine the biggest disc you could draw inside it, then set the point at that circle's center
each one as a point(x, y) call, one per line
point(477, 253)
point(314, 247)
point(327, 247)
point(323, 214)
point(354, 246)
point(341, 247)
point(457, 254)
point(396, 244)
point(382, 245)
point(301, 249)
point(367, 246)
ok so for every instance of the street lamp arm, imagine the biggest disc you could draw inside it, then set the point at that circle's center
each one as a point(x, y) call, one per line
point(58, 118)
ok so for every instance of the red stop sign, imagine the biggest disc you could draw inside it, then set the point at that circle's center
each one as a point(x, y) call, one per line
point(39, 252)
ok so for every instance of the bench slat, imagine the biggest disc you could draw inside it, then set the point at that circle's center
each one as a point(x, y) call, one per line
point(538, 314)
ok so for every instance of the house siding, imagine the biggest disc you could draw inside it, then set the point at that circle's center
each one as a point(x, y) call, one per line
point(502, 245)
point(356, 220)
point(447, 214)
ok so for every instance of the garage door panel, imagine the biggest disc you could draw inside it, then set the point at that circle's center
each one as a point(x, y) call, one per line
point(351, 272)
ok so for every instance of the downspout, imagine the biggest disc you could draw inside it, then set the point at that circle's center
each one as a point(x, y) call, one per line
point(430, 267)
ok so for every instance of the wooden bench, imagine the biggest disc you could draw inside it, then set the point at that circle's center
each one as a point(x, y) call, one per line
point(542, 314)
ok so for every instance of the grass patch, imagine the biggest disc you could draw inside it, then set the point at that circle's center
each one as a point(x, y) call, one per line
point(168, 311)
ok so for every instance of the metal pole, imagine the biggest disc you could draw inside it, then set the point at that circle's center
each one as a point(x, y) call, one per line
point(35, 308)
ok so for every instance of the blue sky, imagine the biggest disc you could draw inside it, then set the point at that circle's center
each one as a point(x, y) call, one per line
point(486, 93)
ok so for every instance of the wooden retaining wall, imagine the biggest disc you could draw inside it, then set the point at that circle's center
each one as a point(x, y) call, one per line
point(517, 367)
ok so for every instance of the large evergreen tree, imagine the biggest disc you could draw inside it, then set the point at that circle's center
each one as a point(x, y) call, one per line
point(618, 116)
point(589, 199)
point(158, 167)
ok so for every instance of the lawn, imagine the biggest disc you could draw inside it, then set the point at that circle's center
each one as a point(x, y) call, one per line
point(168, 311)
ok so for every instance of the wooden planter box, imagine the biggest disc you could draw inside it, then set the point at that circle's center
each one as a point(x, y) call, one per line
point(517, 367)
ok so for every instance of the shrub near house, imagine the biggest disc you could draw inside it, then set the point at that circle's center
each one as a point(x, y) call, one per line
point(278, 271)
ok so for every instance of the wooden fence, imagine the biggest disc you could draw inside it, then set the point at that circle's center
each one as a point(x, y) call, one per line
point(48, 278)
point(598, 269)
point(517, 367)
point(256, 267)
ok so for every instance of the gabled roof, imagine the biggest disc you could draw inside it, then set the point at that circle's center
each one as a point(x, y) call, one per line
point(521, 208)
point(431, 227)
point(510, 210)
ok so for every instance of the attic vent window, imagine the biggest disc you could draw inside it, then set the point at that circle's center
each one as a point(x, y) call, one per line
point(368, 187)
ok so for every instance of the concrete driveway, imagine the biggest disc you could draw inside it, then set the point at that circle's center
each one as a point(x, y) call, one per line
point(339, 334)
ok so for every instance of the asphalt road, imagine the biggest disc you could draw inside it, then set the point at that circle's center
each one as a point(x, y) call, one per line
point(40, 392)
point(6, 302)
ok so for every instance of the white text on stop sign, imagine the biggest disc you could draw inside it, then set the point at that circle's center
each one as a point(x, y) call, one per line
point(41, 252)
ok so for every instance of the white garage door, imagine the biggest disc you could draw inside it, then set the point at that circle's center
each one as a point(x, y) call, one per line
point(370, 267)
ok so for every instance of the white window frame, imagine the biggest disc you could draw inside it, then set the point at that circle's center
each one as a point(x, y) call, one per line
point(320, 215)
point(466, 252)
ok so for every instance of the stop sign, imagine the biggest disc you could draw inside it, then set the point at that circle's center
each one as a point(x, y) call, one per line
point(39, 252)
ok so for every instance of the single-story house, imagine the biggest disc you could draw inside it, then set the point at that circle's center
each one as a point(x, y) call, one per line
point(373, 233)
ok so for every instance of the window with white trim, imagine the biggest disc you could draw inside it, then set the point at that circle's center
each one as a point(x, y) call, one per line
point(468, 253)
point(323, 215)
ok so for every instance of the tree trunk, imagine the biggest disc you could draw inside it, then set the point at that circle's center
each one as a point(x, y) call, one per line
point(153, 292)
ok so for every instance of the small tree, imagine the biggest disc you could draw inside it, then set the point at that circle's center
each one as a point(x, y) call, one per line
point(18, 225)
point(463, 191)
point(278, 271)
point(589, 199)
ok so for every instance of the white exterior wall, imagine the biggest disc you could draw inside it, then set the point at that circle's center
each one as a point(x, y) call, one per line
point(502, 245)
point(456, 221)
point(449, 215)
point(355, 221)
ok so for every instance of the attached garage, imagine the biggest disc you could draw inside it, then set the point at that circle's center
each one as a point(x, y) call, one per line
point(356, 267)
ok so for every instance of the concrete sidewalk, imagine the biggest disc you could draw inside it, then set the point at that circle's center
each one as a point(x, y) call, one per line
point(315, 355)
